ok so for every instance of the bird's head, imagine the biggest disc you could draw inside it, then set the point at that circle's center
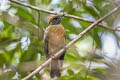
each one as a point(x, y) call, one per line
point(56, 19)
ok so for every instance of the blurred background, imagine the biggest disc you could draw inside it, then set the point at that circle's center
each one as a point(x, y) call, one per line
point(94, 57)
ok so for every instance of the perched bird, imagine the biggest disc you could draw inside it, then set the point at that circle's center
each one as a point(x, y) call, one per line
point(54, 40)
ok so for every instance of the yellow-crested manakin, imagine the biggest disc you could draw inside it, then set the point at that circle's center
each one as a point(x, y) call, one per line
point(54, 40)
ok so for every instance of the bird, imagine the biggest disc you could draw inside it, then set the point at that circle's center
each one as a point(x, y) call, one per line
point(54, 40)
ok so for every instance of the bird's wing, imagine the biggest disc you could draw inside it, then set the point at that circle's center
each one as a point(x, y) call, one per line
point(62, 56)
point(46, 43)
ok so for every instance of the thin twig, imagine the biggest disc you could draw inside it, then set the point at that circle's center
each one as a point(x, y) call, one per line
point(38, 18)
point(89, 66)
point(117, 39)
point(40, 29)
point(66, 15)
point(91, 59)
point(70, 44)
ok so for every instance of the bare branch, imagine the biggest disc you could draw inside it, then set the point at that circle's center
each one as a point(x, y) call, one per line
point(70, 43)
point(66, 15)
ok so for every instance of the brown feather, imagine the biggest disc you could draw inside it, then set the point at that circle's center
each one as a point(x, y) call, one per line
point(55, 40)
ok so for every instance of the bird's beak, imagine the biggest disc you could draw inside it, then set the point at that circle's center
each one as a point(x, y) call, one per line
point(62, 15)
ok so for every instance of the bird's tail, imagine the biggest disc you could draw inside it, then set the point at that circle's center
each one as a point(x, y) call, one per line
point(55, 69)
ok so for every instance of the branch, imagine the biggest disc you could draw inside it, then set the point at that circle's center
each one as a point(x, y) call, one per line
point(70, 44)
point(66, 15)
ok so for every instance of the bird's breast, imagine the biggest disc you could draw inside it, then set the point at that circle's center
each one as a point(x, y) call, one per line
point(57, 34)
point(56, 38)
point(57, 31)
